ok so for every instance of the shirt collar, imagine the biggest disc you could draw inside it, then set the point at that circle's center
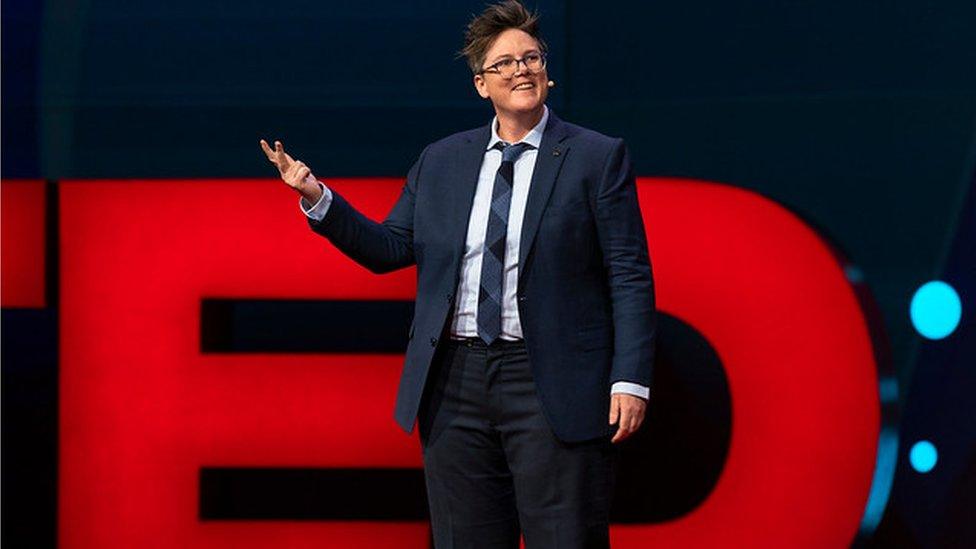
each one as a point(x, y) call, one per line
point(534, 137)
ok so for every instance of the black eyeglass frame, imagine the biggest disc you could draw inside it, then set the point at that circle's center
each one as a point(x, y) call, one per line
point(493, 68)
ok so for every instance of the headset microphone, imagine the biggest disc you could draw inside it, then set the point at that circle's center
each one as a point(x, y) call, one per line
point(551, 83)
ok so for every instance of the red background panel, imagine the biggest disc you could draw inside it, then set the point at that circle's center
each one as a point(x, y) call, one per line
point(22, 243)
point(142, 410)
point(767, 293)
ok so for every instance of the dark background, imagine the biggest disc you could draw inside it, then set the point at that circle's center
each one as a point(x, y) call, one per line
point(859, 116)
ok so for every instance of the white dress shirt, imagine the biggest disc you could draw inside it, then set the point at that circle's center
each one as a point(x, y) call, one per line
point(465, 318)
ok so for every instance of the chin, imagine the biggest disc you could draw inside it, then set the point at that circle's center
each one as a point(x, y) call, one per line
point(526, 104)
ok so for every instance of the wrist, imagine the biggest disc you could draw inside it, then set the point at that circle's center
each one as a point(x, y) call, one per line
point(311, 191)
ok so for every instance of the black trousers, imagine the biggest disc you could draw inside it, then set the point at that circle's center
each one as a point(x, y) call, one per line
point(492, 465)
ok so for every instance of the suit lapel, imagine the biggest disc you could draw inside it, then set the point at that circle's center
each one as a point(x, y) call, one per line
point(547, 164)
point(461, 200)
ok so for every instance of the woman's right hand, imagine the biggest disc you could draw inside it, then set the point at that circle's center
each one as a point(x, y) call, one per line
point(295, 173)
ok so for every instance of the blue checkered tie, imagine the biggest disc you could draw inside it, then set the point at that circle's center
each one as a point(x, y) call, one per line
point(493, 254)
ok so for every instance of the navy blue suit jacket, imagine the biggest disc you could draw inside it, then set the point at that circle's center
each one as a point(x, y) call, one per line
point(585, 289)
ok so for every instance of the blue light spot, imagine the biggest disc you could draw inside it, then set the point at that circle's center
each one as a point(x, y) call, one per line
point(888, 389)
point(923, 456)
point(935, 310)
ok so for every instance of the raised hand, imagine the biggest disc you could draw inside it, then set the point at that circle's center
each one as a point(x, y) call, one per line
point(295, 173)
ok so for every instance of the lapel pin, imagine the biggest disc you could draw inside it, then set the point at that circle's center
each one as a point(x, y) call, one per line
point(555, 152)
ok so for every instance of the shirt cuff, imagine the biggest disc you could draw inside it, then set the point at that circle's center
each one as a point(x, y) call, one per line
point(629, 388)
point(318, 211)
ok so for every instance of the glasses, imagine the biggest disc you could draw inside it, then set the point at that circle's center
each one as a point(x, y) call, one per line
point(506, 68)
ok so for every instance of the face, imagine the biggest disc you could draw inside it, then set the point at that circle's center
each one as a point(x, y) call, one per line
point(526, 91)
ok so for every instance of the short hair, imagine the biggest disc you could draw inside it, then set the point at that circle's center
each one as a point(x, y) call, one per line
point(496, 19)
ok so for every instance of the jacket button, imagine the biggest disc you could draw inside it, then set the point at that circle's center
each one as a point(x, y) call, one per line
point(433, 342)
point(521, 298)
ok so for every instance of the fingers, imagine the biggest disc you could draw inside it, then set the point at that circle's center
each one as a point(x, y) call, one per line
point(289, 176)
point(285, 162)
point(614, 409)
point(267, 150)
point(631, 415)
point(292, 172)
point(278, 156)
point(297, 174)
point(279, 151)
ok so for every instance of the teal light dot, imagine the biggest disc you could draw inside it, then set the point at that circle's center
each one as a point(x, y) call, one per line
point(935, 310)
point(923, 456)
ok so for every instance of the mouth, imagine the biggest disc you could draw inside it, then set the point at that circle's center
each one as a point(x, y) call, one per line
point(523, 86)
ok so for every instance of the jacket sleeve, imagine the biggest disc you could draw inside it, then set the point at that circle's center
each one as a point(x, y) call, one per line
point(380, 247)
point(620, 229)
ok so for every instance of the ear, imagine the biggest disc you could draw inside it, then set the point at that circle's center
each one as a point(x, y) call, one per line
point(481, 86)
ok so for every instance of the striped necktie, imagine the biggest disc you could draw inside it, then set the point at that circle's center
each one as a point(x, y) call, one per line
point(493, 254)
